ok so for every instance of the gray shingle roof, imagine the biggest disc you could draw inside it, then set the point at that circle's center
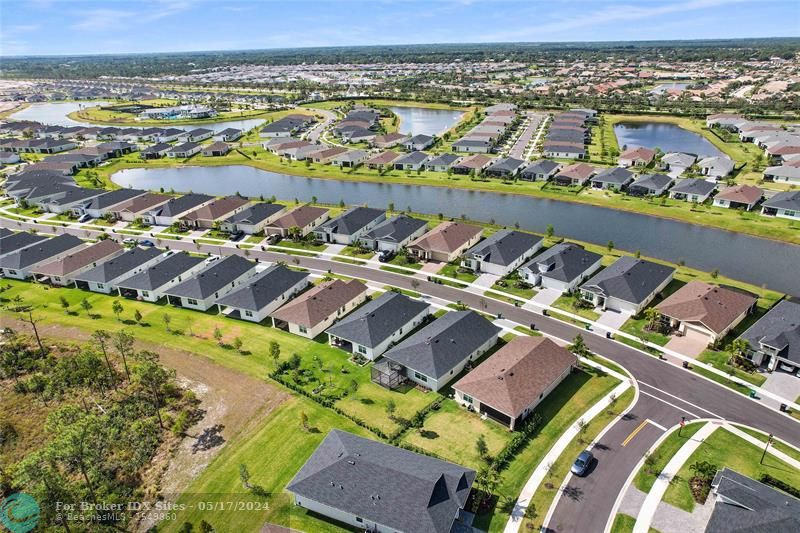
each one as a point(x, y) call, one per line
point(504, 247)
point(39, 251)
point(120, 265)
point(378, 320)
point(615, 176)
point(443, 159)
point(784, 200)
point(543, 166)
point(779, 329)
point(176, 206)
point(412, 158)
point(112, 198)
point(397, 488)
point(395, 229)
point(263, 289)
point(629, 279)
point(162, 272)
point(256, 213)
point(746, 505)
point(438, 347)
point(694, 186)
point(18, 241)
point(652, 181)
point(506, 164)
point(352, 220)
point(207, 282)
point(563, 262)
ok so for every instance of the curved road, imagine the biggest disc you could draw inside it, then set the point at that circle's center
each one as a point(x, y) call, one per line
point(667, 392)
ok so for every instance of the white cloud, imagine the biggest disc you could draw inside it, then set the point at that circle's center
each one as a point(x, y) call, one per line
point(105, 19)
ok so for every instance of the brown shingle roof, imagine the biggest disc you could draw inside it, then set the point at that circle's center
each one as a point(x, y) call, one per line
point(382, 158)
point(714, 307)
point(446, 237)
point(577, 170)
point(83, 257)
point(217, 208)
point(146, 201)
point(314, 306)
point(300, 217)
point(477, 161)
point(743, 194)
point(514, 377)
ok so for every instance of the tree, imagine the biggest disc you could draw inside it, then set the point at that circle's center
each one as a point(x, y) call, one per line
point(137, 316)
point(205, 527)
point(244, 475)
point(101, 338)
point(167, 320)
point(274, 351)
point(703, 469)
point(64, 304)
point(153, 378)
point(86, 306)
point(653, 317)
point(610, 245)
point(715, 273)
point(304, 420)
point(481, 447)
point(550, 231)
point(117, 308)
point(578, 346)
point(391, 408)
point(218, 335)
point(237, 344)
point(123, 343)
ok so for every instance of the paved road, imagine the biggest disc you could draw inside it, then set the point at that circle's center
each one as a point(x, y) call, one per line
point(314, 133)
point(518, 150)
point(667, 392)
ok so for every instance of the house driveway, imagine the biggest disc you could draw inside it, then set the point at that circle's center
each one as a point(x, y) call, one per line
point(783, 384)
point(485, 280)
point(688, 345)
point(431, 267)
point(546, 297)
point(335, 249)
point(613, 319)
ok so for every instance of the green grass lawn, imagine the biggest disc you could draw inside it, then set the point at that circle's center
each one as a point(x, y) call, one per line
point(451, 271)
point(567, 302)
point(623, 523)
point(777, 444)
point(638, 327)
point(352, 251)
point(719, 360)
point(516, 291)
point(647, 476)
point(301, 245)
point(547, 491)
point(724, 449)
point(451, 433)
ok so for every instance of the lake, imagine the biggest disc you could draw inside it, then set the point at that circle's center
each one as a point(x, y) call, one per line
point(667, 137)
point(735, 255)
point(55, 114)
point(424, 121)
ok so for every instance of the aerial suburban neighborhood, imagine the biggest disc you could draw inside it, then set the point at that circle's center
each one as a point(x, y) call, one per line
point(337, 278)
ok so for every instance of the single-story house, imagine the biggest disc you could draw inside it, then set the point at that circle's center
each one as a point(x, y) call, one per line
point(562, 267)
point(174, 209)
point(202, 290)
point(350, 158)
point(305, 218)
point(169, 135)
point(677, 162)
point(317, 309)
point(228, 135)
point(741, 503)
point(374, 327)
point(433, 356)
point(628, 285)
point(692, 190)
point(502, 252)
point(650, 185)
point(348, 227)
point(775, 338)
point(69, 199)
point(20, 263)
point(376, 487)
point(98, 206)
point(541, 170)
point(575, 174)
point(716, 166)
point(62, 271)
point(13, 242)
point(504, 167)
point(419, 142)
point(388, 140)
point(446, 242)
point(216, 149)
point(475, 146)
point(382, 160)
point(253, 219)
point(106, 276)
point(155, 151)
point(442, 162)
point(9, 158)
point(738, 197)
point(264, 293)
point(394, 233)
point(198, 134)
point(410, 161)
point(473, 163)
point(705, 312)
point(187, 149)
point(509, 385)
point(783, 174)
point(218, 209)
point(151, 283)
point(615, 178)
point(564, 150)
point(636, 157)
point(326, 155)
point(783, 205)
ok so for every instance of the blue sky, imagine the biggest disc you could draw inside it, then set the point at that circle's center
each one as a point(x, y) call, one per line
point(54, 27)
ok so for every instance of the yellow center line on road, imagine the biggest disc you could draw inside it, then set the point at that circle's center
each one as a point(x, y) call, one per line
point(634, 432)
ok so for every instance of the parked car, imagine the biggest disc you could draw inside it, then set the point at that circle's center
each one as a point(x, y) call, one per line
point(582, 463)
point(237, 236)
point(274, 239)
point(385, 255)
point(147, 243)
point(86, 217)
point(129, 241)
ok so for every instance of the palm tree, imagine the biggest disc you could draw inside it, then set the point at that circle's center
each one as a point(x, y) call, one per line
point(653, 317)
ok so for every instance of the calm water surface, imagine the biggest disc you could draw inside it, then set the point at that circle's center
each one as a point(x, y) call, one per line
point(667, 137)
point(735, 255)
point(423, 121)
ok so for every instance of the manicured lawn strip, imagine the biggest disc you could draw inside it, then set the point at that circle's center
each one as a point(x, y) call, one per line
point(410, 294)
point(396, 270)
point(608, 363)
point(794, 453)
point(511, 289)
point(721, 380)
point(450, 270)
point(719, 360)
point(669, 447)
point(301, 245)
point(352, 251)
point(273, 453)
point(724, 449)
point(623, 523)
point(559, 410)
point(638, 327)
point(566, 302)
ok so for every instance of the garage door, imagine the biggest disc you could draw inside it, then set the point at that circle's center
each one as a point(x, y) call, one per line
point(696, 335)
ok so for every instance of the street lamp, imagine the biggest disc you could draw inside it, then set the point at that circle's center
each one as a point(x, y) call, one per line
point(769, 441)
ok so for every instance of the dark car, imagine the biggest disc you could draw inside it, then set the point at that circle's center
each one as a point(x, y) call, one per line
point(147, 243)
point(237, 236)
point(581, 464)
point(274, 239)
point(385, 255)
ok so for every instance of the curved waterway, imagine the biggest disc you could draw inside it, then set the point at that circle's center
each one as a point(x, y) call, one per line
point(759, 261)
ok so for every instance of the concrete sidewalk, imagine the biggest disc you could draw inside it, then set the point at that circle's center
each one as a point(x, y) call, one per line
point(539, 473)
point(656, 494)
